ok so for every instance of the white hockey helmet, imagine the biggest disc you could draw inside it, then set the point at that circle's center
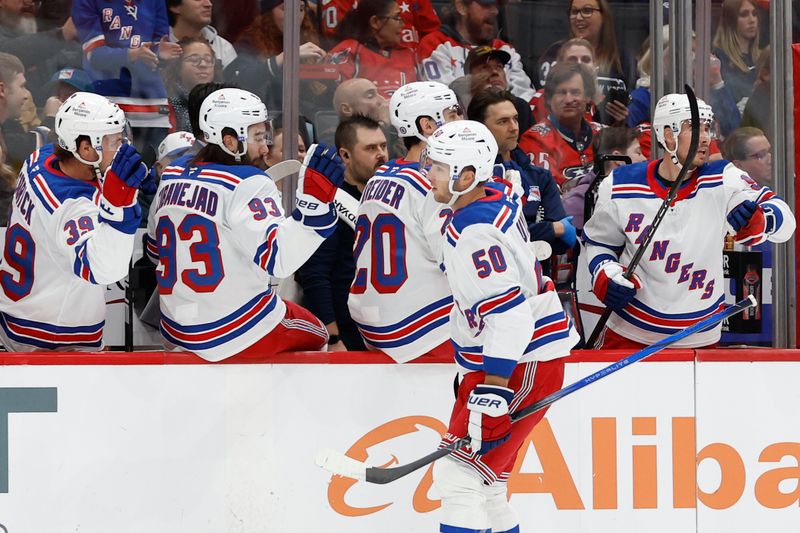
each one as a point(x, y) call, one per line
point(462, 144)
point(672, 110)
point(419, 99)
point(91, 115)
point(230, 108)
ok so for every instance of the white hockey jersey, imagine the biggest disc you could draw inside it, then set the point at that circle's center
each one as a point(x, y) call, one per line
point(59, 253)
point(219, 233)
point(681, 270)
point(399, 298)
point(505, 311)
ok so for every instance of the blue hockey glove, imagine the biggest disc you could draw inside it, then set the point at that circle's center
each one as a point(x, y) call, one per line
point(569, 236)
point(123, 178)
point(611, 286)
point(321, 174)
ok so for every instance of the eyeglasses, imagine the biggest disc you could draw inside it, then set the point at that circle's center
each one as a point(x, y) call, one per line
point(760, 156)
point(197, 61)
point(585, 12)
point(396, 18)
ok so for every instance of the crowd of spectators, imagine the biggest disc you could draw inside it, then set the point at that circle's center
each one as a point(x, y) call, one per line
point(587, 94)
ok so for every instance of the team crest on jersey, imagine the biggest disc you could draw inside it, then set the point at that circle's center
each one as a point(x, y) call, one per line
point(541, 128)
point(340, 57)
point(533, 194)
point(575, 173)
point(131, 9)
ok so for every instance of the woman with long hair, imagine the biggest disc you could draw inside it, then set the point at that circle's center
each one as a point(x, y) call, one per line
point(259, 66)
point(736, 45)
point(371, 46)
point(197, 64)
point(593, 21)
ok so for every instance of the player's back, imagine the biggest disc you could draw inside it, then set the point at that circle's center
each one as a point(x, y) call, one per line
point(214, 289)
point(400, 298)
point(51, 298)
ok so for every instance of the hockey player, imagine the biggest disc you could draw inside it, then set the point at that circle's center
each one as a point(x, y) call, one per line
point(71, 230)
point(221, 234)
point(399, 297)
point(679, 279)
point(508, 327)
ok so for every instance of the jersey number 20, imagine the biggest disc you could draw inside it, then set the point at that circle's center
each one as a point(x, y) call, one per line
point(387, 246)
point(204, 251)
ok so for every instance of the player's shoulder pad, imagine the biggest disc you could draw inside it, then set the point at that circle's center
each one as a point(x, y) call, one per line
point(714, 168)
point(497, 209)
point(176, 168)
point(51, 185)
point(633, 174)
point(226, 176)
point(405, 171)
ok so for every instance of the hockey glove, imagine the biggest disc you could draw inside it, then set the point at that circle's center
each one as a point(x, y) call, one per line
point(150, 182)
point(321, 173)
point(569, 237)
point(753, 223)
point(123, 178)
point(315, 214)
point(612, 287)
point(486, 417)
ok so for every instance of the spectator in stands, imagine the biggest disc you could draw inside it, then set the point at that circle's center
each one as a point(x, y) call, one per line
point(608, 141)
point(562, 143)
point(123, 45)
point(197, 64)
point(736, 44)
point(419, 19)
point(327, 275)
point(486, 67)
point(720, 97)
point(750, 150)
point(360, 97)
point(15, 143)
point(494, 107)
point(192, 19)
point(17, 17)
point(757, 112)
point(371, 46)
point(443, 53)
point(593, 20)
point(275, 154)
point(259, 66)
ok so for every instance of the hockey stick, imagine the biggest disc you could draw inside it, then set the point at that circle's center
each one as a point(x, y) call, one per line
point(342, 465)
point(662, 211)
point(346, 205)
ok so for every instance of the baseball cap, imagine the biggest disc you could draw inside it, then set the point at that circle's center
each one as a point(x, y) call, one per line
point(71, 76)
point(482, 54)
point(175, 144)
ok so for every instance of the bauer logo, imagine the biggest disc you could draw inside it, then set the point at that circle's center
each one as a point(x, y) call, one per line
point(621, 476)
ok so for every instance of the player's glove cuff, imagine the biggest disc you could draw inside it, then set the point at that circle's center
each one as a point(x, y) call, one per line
point(314, 214)
point(123, 219)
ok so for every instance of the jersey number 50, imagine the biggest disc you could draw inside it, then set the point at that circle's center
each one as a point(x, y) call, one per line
point(205, 251)
point(387, 243)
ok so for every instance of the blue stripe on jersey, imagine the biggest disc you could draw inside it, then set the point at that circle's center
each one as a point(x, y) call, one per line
point(221, 183)
point(628, 195)
point(81, 266)
point(684, 316)
point(211, 326)
point(444, 528)
point(398, 325)
point(419, 324)
point(49, 336)
point(665, 329)
point(514, 529)
point(587, 239)
point(407, 179)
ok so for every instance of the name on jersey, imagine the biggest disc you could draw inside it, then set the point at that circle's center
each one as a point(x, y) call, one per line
point(23, 200)
point(191, 195)
point(387, 191)
point(672, 261)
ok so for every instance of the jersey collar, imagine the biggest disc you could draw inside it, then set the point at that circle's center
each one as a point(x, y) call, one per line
point(661, 190)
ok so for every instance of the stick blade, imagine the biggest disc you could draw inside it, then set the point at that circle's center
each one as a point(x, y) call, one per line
point(285, 168)
point(340, 464)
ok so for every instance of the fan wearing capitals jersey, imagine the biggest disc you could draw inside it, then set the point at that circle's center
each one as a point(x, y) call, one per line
point(218, 232)
point(399, 297)
point(71, 230)
point(509, 330)
point(679, 280)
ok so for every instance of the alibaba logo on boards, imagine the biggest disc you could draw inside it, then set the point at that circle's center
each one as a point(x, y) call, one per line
point(775, 471)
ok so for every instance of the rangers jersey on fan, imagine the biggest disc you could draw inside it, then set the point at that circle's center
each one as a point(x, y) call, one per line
point(399, 297)
point(60, 249)
point(505, 311)
point(443, 53)
point(555, 149)
point(388, 69)
point(108, 31)
point(419, 19)
point(219, 233)
point(681, 270)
